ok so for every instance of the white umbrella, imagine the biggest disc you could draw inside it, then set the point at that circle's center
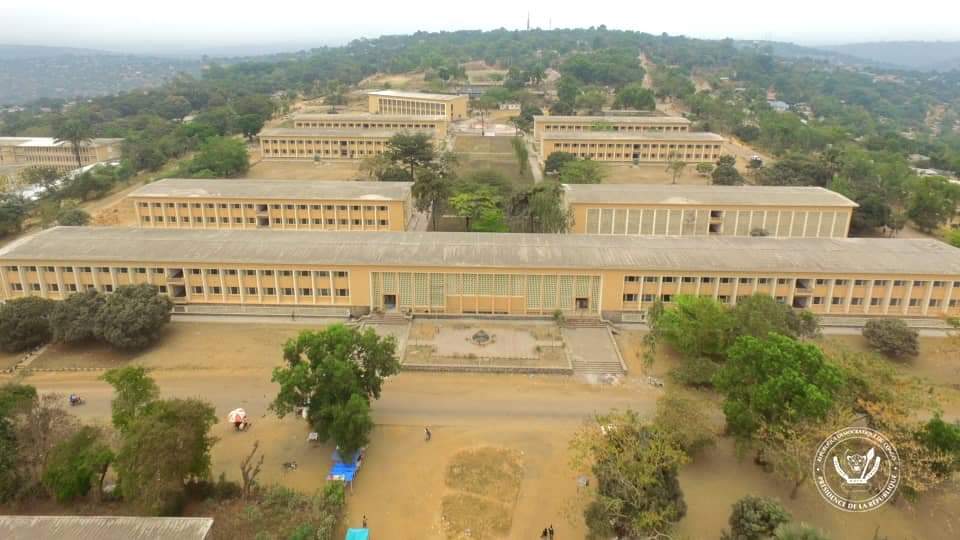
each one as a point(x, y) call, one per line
point(237, 415)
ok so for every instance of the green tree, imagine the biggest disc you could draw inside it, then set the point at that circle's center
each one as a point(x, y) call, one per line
point(430, 191)
point(776, 381)
point(726, 173)
point(755, 518)
point(556, 161)
point(592, 100)
point(933, 202)
point(73, 217)
point(892, 337)
point(334, 373)
point(133, 317)
point(75, 463)
point(943, 437)
point(175, 108)
point(582, 171)
point(635, 96)
point(696, 326)
point(638, 493)
point(759, 314)
point(133, 390)
point(490, 220)
point(165, 445)
point(705, 169)
point(540, 209)
point(682, 418)
point(74, 319)
point(676, 168)
point(14, 210)
point(218, 157)
point(15, 399)
point(42, 176)
point(798, 531)
point(522, 154)
point(249, 125)
point(412, 150)
point(75, 130)
point(477, 202)
point(25, 323)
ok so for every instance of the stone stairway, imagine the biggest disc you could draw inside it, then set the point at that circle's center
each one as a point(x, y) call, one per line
point(394, 318)
point(584, 366)
point(584, 322)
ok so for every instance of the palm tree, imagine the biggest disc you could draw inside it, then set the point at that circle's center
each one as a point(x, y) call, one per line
point(75, 130)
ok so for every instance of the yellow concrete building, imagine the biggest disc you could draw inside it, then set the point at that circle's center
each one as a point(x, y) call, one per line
point(309, 144)
point(247, 203)
point(395, 102)
point(683, 210)
point(473, 273)
point(692, 147)
point(47, 151)
point(438, 124)
point(622, 124)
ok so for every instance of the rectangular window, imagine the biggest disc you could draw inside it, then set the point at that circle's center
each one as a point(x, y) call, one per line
point(859, 282)
point(269, 291)
point(839, 282)
point(650, 279)
point(215, 290)
point(856, 301)
point(631, 279)
point(252, 290)
point(323, 273)
point(648, 298)
point(234, 291)
point(288, 291)
point(689, 279)
point(837, 300)
point(323, 292)
point(706, 280)
point(306, 292)
point(630, 298)
point(895, 301)
point(817, 300)
point(212, 271)
point(668, 279)
point(197, 290)
point(666, 298)
point(343, 292)
point(914, 302)
point(725, 280)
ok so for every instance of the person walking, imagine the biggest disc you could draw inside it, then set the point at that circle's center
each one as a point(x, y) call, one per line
point(543, 535)
point(364, 521)
point(427, 434)
point(550, 531)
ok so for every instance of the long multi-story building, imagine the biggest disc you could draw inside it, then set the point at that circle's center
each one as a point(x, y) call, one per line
point(625, 124)
point(313, 144)
point(474, 273)
point(438, 124)
point(693, 147)
point(396, 102)
point(684, 210)
point(247, 203)
point(50, 152)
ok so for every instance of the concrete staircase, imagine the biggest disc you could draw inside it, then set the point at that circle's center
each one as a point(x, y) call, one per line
point(583, 366)
point(584, 322)
point(392, 318)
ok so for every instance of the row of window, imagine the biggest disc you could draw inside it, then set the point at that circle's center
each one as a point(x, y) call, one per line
point(262, 207)
point(817, 300)
point(194, 271)
point(637, 146)
point(363, 125)
point(271, 291)
point(613, 127)
point(276, 220)
point(784, 281)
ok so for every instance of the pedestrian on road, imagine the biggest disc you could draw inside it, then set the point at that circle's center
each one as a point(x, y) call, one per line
point(426, 434)
point(364, 521)
point(543, 535)
point(550, 531)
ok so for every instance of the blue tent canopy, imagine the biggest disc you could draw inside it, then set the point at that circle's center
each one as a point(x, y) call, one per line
point(345, 470)
point(358, 534)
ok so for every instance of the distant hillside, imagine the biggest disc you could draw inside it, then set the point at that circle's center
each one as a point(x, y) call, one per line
point(920, 55)
point(30, 72)
point(791, 50)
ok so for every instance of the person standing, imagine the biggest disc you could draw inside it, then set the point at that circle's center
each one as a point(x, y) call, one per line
point(550, 531)
point(543, 535)
point(364, 521)
point(426, 434)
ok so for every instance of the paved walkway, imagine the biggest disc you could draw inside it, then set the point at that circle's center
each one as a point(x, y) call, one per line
point(592, 351)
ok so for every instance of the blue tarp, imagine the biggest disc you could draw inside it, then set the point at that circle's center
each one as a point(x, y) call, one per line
point(358, 534)
point(345, 471)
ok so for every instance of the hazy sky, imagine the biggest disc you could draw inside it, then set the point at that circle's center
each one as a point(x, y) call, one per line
point(139, 25)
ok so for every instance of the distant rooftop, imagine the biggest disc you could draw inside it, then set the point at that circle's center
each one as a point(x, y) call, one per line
point(251, 188)
point(103, 528)
point(446, 251)
point(679, 120)
point(413, 95)
point(695, 195)
point(336, 132)
point(681, 136)
point(367, 116)
point(49, 141)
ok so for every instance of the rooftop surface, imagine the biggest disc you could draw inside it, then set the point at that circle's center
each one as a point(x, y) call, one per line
point(866, 256)
point(674, 194)
point(681, 136)
point(334, 132)
point(103, 528)
point(253, 188)
point(615, 119)
point(414, 95)
point(48, 141)
point(368, 116)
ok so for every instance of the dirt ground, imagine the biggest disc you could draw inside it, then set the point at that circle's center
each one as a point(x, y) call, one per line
point(649, 173)
point(403, 480)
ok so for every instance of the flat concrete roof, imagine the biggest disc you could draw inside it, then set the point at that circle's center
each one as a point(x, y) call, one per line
point(680, 136)
point(254, 188)
point(335, 132)
point(414, 95)
point(103, 528)
point(673, 194)
point(368, 116)
point(50, 141)
point(615, 119)
point(867, 256)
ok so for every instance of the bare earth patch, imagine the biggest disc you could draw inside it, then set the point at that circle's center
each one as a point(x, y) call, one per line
point(486, 482)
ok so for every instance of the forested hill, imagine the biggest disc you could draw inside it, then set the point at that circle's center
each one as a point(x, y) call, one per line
point(28, 73)
point(919, 55)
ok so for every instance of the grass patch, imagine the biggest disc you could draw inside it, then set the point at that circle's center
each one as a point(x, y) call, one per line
point(469, 516)
point(490, 472)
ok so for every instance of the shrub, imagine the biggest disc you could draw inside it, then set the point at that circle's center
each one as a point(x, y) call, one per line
point(73, 319)
point(133, 317)
point(755, 518)
point(892, 337)
point(74, 464)
point(25, 323)
point(697, 372)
